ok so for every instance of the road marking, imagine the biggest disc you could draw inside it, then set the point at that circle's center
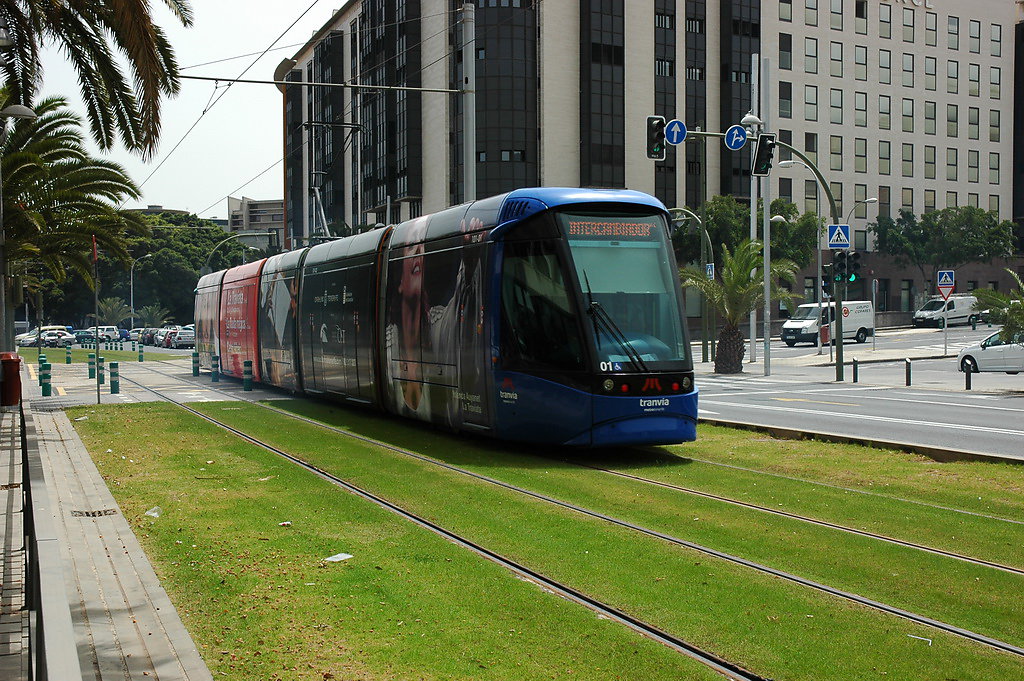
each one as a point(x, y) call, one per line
point(886, 419)
point(801, 399)
point(61, 391)
point(705, 411)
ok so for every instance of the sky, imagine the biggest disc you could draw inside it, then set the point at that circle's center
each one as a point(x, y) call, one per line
point(241, 135)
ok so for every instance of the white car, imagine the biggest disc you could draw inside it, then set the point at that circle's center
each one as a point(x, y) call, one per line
point(992, 354)
point(134, 334)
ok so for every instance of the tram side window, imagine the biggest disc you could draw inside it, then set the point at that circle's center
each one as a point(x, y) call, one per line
point(539, 322)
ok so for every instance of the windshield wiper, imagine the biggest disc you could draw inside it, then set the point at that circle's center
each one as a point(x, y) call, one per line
point(599, 314)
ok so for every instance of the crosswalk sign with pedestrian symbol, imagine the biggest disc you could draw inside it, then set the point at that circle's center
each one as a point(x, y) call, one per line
point(946, 282)
point(838, 236)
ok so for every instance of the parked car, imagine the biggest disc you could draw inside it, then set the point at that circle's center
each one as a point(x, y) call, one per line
point(147, 335)
point(27, 340)
point(83, 335)
point(135, 333)
point(183, 338)
point(161, 335)
point(123, 334)
point(168, 337)
point(107, 333)
point(58, 339)
point(34, 334)
point(992, 354)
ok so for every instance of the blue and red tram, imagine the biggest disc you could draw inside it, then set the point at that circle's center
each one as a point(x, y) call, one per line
point(546, 315)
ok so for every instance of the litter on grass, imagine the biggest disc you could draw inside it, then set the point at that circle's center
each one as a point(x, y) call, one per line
point(82, 418)
point(286, 523)
point(338, 557)
point(154, 512)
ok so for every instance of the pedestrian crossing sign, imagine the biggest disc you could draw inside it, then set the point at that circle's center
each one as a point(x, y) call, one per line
point(946, 282)
point(838, 236)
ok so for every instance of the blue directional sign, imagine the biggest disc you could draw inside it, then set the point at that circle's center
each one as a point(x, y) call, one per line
point(735, 138)
point(838, 236)
point(709, 270)
point(675, 131)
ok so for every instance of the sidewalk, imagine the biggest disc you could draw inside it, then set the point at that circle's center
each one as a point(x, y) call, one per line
point(124, 623)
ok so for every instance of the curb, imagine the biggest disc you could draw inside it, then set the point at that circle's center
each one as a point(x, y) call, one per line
point(942, 454)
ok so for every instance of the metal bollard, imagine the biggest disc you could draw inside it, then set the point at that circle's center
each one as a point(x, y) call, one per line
point(141, 348)
point(967, 379)
point(247, 375)
point(67, 355)
point(974, 323)
point(115, 378)
point(908, 370)
point(856, 370)
point(92, 365)
point(39, 375)
point(44, 379)
point(133, 346)
point(99, 369)
point(195, 363)
point(215, 369)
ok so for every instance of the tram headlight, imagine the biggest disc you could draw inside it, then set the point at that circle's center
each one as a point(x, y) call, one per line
point(687, 383)
point(608, 385)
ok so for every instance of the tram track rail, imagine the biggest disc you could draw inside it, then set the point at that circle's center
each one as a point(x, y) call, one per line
point(787, 576)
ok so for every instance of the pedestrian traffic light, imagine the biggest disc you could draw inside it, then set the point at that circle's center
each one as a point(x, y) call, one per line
point(839, 266)
point(853, 267)
point(656, 137)
point(764, 150)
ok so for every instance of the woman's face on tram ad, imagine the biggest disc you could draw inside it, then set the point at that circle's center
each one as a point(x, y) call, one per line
point(412, 310)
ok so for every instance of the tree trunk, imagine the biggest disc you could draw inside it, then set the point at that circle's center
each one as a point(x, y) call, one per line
point(730, 352)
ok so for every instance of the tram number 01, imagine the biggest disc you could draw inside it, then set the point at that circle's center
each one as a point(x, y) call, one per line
point(611, 366)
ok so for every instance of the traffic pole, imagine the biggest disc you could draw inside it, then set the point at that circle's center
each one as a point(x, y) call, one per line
point(115, 378)
point(44, 379)
point(92, 365)
point(247, 375)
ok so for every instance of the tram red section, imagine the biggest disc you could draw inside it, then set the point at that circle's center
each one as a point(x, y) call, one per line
point(239, 304)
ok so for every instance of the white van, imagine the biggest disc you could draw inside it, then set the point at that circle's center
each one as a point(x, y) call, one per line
point(959, 309)
point(802, 326)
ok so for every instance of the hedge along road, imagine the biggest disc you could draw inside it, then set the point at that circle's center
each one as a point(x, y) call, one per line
point(628, 578)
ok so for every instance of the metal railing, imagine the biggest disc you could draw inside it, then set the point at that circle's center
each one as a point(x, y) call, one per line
point(52, 646)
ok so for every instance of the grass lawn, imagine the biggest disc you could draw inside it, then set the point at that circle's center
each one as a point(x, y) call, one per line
point(776, 628)
point(81, 356)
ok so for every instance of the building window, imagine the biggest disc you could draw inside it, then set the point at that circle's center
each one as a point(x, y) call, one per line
point(885, 21)
point(993, 203)
point(908, 70)
point(811, 55)
point(884, 111)
point(884, 66)
point(481, 157)
point(860, 14)
point(908, 160)
point(908, 115)
point(930, 68)
point(929, 200)
point(835, 106)
point(974, 80)
point(929, 118)
point(973, 165)
point(787, 137)
point(994, 82)
point(993, 125)
point(837, 14)
point(785, 51)
point(908, 24)
point(785, 99)
point(973, 123)
point(860, 107)
point(785, 10)
point(930, 25)
point(929, 163)
point(884, 155)
point(860, 62)
point(786, 189)
point(694, 25)
point(952, 128)
point(951, 199)
point(954, 33)
point(952, 76)
point(993, 168)
point(997, 40)
point(860, 155)
point(666, 21)
point(837, 194)
point(836, 59)
point(951, 164)
point(974, 36)
point(884, 200)
point(811, 196)
point(906, 299)
point(908, 199)
point(860, 236)
point(811, 12)
point(811, 146)
point(664, 67)
point(860, 194)
point(810, 102)
point(835, 149)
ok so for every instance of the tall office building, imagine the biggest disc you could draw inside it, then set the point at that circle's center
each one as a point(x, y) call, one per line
point(907, 101)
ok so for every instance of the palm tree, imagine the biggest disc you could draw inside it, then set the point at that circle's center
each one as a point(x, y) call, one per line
point(56, 197)
point(112, 311)
point(94, 35)
point(739, 291)
point(153, 315)
point(1004, 308)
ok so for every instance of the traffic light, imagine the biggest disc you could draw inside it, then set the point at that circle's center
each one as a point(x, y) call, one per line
point(839, 266)
point(764, 150)
point(853, 267)
point(656, 137)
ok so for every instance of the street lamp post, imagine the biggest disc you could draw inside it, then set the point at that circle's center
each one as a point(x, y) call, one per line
point(206, 268)
point(6, 320)
point(131, 285)
point(817, 241)
point(753, 125)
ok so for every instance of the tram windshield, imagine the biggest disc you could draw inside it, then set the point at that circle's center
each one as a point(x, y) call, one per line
point(630, 286)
